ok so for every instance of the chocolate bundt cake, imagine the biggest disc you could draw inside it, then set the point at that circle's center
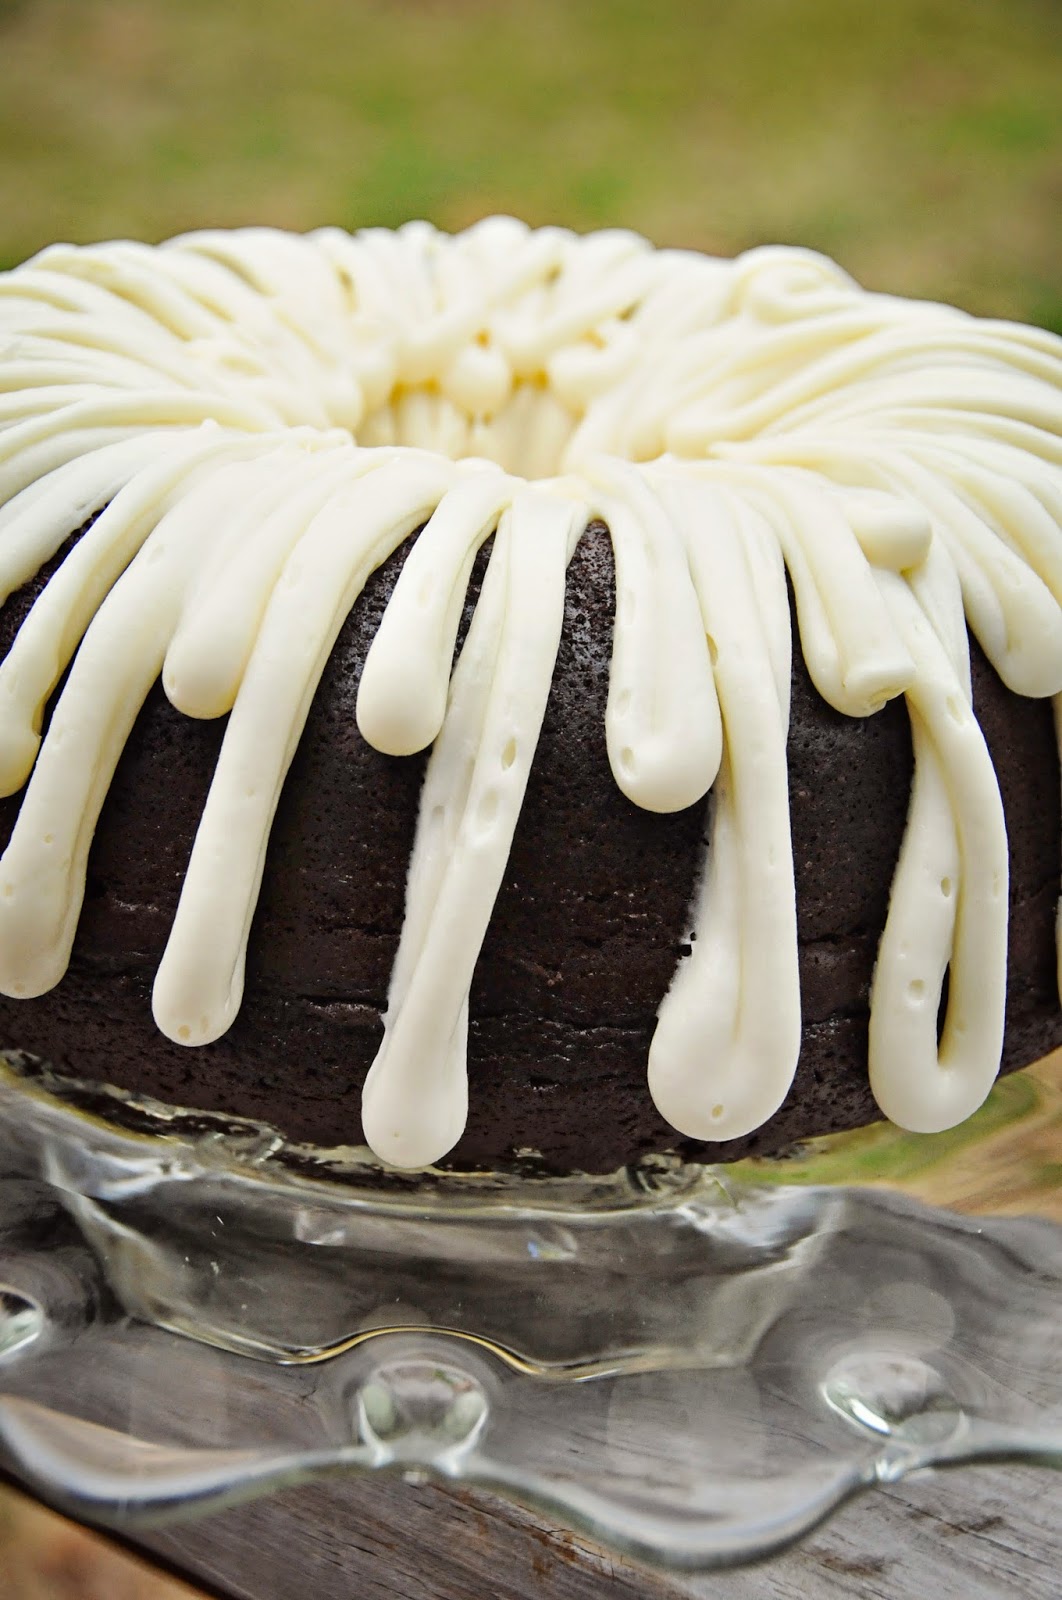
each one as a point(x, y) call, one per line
point(398, 675)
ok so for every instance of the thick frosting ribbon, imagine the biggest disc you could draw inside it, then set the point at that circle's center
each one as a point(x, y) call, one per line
point(415, 1097)
point(728, 1036)
point(662, 724)
point(948, 910)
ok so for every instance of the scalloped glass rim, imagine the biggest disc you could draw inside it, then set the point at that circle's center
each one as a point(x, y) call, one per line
point(691, 1367)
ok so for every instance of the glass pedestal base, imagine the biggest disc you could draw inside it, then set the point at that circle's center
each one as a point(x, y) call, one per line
point(691, 1368)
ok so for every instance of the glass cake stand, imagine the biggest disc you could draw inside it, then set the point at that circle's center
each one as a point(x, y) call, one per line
point(692, 1366)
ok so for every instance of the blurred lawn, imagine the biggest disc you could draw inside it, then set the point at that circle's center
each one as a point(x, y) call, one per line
point(919, 141)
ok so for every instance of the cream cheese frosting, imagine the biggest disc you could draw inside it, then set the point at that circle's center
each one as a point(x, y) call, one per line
point(255, 421)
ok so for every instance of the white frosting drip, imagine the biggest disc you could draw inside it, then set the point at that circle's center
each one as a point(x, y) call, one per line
point(259, 420)
point(735, 1001)
point(948, 907)
point(416, 1093)
point(662, 724)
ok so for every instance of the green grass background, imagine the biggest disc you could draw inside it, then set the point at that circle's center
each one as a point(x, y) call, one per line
point(919, 141)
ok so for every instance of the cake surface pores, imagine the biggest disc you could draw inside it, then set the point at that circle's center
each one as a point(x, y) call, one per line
point(243, 426)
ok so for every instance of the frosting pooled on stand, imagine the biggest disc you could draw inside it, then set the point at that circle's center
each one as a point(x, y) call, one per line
point(255, 422)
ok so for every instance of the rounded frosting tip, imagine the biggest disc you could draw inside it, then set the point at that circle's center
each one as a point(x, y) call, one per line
point(412, 1131)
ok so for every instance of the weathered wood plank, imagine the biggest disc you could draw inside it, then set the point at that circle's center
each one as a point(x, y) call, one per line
point(982, 1533)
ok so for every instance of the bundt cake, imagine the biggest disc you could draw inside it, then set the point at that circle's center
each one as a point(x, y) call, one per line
point(281, 515)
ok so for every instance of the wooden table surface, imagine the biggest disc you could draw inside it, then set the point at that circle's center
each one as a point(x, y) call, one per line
point(981, 1533)
point(984, 1533)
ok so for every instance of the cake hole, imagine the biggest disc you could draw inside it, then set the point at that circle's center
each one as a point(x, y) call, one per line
point(627, 761)
point(945, 888)
point(916, 989)
point(483, 338)
point(508, 755)
point(9, 889)
point(717, 1112)
point(488, 808)
point(184, 1031)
